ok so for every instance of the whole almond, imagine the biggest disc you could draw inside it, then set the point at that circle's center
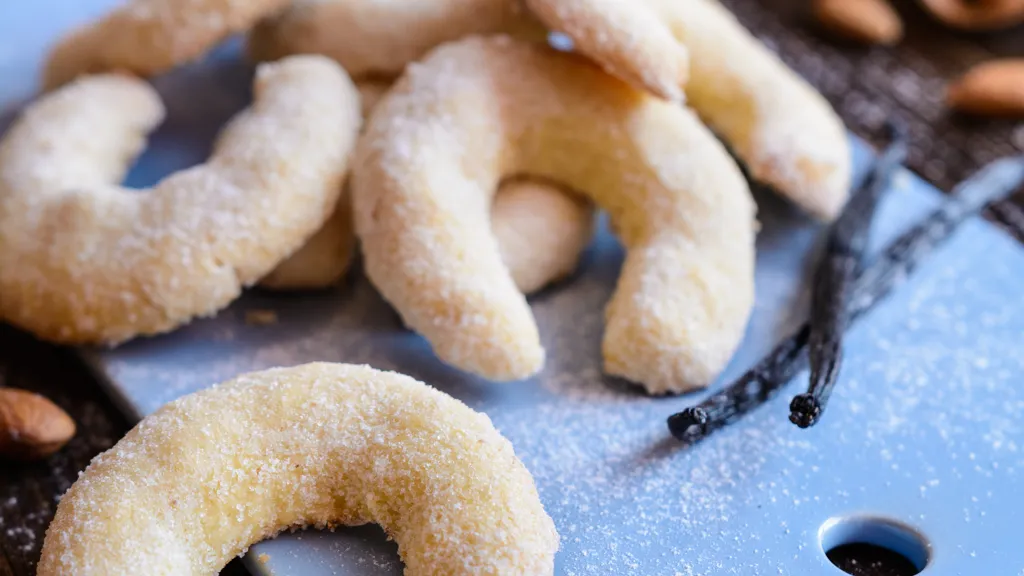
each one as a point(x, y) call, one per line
point(976, 15)
point(993, 88)
point(865, 21)
point(31, 427)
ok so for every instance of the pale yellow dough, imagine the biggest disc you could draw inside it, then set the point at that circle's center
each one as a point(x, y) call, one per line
point(323, 260)
point(147, 37)
point(206, 476)
point(85, 261)
point(778, 124)
point(370, 93)
point(542, 231)
point(625, 38)
point(380, 37)
point(480, 109)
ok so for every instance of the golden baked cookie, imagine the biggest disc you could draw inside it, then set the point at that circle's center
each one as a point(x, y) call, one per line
point(542, 231)
point(541, 228)
point(779, 125)
point(480, 109)
point(380, 37)
point(83, 260)
point(200, 480)
point(148, 37)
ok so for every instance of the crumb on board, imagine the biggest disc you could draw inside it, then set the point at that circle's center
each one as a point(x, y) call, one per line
point(259, 317)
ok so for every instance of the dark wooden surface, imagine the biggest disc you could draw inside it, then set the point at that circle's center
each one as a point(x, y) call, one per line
point(868, 84)
point(29, 492)
point(865, 85)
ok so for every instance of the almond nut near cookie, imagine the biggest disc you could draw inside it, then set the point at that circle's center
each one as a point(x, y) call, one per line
point(993, 88)
point(863, 21)
point(976, 15)
point(31, 427)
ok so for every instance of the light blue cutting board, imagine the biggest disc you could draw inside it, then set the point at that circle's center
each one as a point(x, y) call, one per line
point(924, 430)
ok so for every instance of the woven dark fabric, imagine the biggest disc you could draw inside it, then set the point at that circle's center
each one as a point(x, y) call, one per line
point(867, 85)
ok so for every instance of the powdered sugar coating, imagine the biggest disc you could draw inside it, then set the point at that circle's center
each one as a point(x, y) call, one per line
point(541, 229)
point(83, 260)
point(480, 109)
point(147, 37)
point(785, 131)
point(627, 40)
point(324, 259)
point(928, 393)
point(197, 482)
point(541, 232)
point(380, 37)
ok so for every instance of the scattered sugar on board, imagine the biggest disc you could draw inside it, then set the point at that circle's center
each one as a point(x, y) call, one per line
point(922, 425)
point(24, 524)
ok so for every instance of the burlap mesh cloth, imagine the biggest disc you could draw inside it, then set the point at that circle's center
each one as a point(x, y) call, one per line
point(866, 85)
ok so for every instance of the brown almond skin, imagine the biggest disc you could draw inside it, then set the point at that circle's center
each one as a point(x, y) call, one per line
point(31, 426)
point(993, 88)
point(977, 15)
point(863, 21)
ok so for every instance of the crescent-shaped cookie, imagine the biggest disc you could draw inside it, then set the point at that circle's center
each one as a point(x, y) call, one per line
point(480, 109)
point(541, 228)
point(200, 480)
point(323, 260)
point(85, 261)
point(148, 37)
point(380, 37)
point(374, 40)
point(784, 131)
point(542, 231)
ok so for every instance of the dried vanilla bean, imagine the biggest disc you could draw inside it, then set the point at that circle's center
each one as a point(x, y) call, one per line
point(841, 263)
point(994, 182)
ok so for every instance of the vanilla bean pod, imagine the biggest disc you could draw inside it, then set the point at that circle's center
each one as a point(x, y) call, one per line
point(994, 182)
point(840, 265)
point(1011, 216)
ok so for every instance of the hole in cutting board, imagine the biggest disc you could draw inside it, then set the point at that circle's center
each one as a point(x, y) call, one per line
point(870, 560)
point(873, 546)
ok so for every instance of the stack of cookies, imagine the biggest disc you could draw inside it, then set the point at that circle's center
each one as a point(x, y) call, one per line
point(485, 153)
